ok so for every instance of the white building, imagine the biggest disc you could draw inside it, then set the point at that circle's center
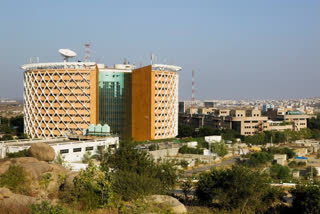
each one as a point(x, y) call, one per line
point(71, 150)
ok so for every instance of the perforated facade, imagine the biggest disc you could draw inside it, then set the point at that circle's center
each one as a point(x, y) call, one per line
point(60, 100)
point(154, 103)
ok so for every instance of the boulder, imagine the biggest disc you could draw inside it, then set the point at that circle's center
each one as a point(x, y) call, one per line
point(167, 201)
point(4, 166)
point(42, 151)
point(5, 192)
point(16, 204)
point(24, 160)
point(36, 170)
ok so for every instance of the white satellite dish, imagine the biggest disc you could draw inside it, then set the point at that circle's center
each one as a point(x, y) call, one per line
point(67, 53)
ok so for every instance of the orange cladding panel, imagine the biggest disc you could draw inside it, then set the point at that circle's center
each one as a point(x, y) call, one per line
point(142, 104)
point(94, 93)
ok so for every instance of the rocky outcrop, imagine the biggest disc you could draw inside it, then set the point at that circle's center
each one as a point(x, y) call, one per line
point(168, 202)
point(42, 151)
point(14, 203)
point(35, 171)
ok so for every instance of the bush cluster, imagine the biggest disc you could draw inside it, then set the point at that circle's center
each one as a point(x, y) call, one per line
point(188, 150)
point(15, 179)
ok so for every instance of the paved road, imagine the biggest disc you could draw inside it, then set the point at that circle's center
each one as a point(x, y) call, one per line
point(207, 167)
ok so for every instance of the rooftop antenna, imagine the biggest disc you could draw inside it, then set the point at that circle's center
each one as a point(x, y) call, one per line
point(67, 53)
point(192, 95)
point(152, 58)
point(87, 52)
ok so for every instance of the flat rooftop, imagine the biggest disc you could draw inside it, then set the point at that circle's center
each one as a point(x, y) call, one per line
point(57, 140)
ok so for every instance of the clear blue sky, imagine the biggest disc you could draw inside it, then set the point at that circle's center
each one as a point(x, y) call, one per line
point(239, 48)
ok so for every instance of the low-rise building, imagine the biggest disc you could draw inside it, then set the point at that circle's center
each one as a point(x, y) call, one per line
point(248, 122)
point(72, 150)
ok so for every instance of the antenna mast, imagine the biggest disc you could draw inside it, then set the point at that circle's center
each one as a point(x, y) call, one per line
point(87, 52)
point(192, 95)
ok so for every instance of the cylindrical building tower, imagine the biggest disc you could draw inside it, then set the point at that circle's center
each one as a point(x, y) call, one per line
point(155, 102)
point(60, 98)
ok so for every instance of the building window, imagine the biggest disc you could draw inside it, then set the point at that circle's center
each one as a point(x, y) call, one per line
point(77, 150)
point(64, 151)
point(90, 148)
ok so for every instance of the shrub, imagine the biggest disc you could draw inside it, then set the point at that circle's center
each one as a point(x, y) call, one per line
point(46, 208)
point(7, 137)
point(137, 174)
point(59, 159)
point(306, 199)
point(92, 187)
point(259, 158)
point(279, 172)
point(184, 164)
point(219, 148)
point(152, 147)
point(238, 188)
point(86, 157)
point(274, 150)
point(22, 153)
point(294, 164)
point(188, 150)
point(130, 185)
point(15, 179)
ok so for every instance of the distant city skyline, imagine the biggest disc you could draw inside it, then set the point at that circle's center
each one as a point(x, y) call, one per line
point(239, 49)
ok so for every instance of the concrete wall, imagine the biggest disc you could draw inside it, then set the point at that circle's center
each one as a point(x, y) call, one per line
point(164, 153)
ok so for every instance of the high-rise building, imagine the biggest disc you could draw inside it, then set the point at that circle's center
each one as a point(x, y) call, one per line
point(265, 107)
point(209, 104)
point(59, 98)
point(155, 102)
point(182, 107)
point(115, 99)
point(67, 97)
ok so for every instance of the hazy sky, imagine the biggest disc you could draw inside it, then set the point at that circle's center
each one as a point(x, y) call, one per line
point(239, 48)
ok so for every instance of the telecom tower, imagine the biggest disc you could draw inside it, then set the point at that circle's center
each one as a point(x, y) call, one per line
point(87, 52)
point(192, 95)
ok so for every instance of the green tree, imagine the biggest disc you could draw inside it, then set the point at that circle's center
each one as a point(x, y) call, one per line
point(259, 158)
point(308, 173)
point(92, 187)
point(185, 131)
point(256, 139)
point(230, 134)
point(279, 172)
point(136, 174)
point(235, 190)
point(314, 123)
point(189, 150)
point(306, 200)
point(219, 148)
point(207, 131)
point(315, 134)
point(279, 137)
point(277, 150)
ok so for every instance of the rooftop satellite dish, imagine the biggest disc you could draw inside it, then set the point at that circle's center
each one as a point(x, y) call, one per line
point(67, 53)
